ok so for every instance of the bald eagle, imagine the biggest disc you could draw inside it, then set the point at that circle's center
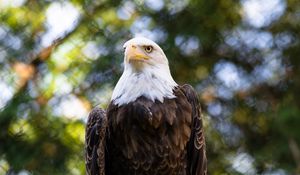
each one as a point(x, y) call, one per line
point(152, 126)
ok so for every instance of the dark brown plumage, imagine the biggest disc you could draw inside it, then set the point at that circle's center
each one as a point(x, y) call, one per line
point(148, 138)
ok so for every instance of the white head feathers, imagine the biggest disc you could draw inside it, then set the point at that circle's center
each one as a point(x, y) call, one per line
point(146, 73)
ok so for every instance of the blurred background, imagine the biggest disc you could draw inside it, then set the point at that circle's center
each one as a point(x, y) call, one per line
point(59, 59)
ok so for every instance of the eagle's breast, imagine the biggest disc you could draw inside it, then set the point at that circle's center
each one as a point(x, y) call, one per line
point(149, 137)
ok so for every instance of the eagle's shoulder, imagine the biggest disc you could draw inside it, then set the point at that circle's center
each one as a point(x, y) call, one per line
point(190, 93)
point(197, 161)
point(95, 141)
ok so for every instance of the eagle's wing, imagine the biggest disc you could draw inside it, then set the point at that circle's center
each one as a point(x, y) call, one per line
point(95, 142)
point(197, 161)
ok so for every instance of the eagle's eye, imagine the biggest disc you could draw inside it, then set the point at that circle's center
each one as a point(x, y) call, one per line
point(148, 49)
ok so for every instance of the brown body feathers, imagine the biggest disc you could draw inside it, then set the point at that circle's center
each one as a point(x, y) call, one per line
point(147, 138)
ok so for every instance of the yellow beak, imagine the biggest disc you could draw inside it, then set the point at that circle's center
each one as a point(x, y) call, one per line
point(135, 54)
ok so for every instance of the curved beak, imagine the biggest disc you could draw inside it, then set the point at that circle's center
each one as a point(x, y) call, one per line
point(134, 53)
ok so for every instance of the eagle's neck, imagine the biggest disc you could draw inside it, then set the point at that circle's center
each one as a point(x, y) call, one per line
point(154, 83)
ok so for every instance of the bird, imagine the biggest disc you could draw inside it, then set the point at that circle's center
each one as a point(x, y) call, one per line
point(152, 125)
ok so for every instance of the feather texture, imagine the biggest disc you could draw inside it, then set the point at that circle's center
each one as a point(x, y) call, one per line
point(95, 142)
point(148, 138)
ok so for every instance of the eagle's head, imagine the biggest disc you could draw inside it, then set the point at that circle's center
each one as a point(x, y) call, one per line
point(141, 53)
point(146, 73)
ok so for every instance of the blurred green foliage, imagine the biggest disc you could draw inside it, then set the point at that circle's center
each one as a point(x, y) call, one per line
point(59, 59)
